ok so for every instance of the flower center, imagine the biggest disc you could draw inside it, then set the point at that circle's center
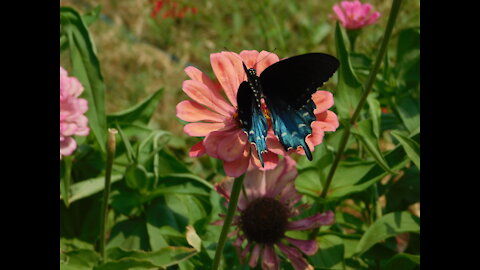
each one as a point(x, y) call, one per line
point(264, 220)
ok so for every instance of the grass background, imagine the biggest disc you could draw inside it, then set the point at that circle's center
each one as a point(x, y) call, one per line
point(140, 54)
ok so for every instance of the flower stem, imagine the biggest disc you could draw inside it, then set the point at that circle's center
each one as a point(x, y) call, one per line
point(232, 206)
point(371, 79)
point(111, 146)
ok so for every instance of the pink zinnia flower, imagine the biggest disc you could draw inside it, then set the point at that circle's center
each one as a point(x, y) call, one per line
point(72, 109)
point(354, 14)
point(264, 215)
point(213, 113)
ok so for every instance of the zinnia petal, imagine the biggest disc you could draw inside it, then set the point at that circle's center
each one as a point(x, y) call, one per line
point(239, 166)
point(298, 262)
point(308, 247)
point(197, 75)
point(226, 74)
point(191, 111)
point(270, 258)
point(320, 219)
point(197, 150)
point(255, 254)
point(264, 60)
point(327, 121)
point(323, 101)
point(201, 129)
point(200, 93)
point(232, 147)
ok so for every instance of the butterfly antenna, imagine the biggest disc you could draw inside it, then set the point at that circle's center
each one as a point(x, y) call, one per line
point(269, 53)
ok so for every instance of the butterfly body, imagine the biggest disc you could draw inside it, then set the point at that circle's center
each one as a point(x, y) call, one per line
point(286, 87)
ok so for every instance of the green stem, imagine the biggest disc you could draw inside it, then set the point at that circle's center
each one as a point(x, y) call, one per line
point(371, 79)
point(232, 206)
point(111, 146)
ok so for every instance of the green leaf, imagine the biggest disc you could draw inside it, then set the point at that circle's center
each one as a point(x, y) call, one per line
point(92, 16)
point(140, 113)
point(349, 89)
point(396, 159)
point(136, 177)
point(86, 68)
point(364, 132)
point(408, 110)
point(119, 259)
point(331, 253)
point(375, 113)
point(89, 187)
point(389, 225)
point(130, 153)
point(403, 261)
point(81, 259)
point(410, 146)
point(129, 234)
point(408, 57)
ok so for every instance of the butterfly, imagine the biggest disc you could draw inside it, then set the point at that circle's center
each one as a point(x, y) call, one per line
point(287, 87)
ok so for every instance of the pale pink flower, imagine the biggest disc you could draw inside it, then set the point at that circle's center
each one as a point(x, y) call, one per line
point(265, 212)
point(354, 15)
point(213, 113)
point(72, 109)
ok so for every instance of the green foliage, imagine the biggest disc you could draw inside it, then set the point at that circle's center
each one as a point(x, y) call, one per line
point(163, 203)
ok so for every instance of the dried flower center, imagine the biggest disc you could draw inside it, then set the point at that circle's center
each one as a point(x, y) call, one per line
point(264, 220)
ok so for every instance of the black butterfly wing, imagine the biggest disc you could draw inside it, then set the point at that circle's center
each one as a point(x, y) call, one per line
point(295, 79)
point(287, 87)
point(251, 117)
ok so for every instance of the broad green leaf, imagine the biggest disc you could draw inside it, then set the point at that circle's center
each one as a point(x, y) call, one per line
point(308, 182)
point(331, 253)
point(375, 113)
point(364, 132)
point(403, 261)
point(408, 57)
point(89, 187)
point(86, 68)
point(81, 259)
point(408, 110)
point(349, 89)
point(140, 113)
point(119, 259)
point(389, 225)
point(169, 164)
point(129, 234)
point(410, 146)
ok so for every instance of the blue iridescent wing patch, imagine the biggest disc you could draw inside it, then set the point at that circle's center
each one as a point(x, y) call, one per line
point(290, 125)
point(252, 119)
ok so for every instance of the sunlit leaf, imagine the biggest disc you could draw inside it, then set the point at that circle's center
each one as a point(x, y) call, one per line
point(364, 132)
point(349, 89)
point(389, 225)
point(410, 146)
